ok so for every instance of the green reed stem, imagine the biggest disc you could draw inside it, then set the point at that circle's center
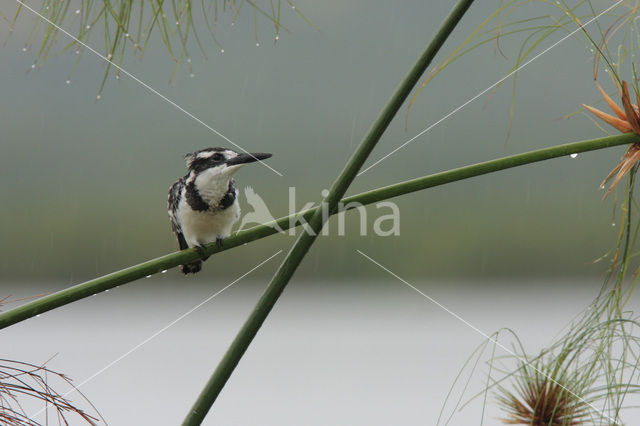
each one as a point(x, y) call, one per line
point(293, 258)
point(172, 260)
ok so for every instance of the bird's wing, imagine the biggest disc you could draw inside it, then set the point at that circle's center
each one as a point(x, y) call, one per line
point(181, 241)
point(175, 193)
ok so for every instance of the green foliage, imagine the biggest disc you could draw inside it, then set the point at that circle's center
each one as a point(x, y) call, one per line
point(523, 20)
point(585, 375)
point(20, 382)
point(126, 26)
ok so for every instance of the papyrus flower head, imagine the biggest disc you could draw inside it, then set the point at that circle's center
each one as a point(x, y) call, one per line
point(626, 120)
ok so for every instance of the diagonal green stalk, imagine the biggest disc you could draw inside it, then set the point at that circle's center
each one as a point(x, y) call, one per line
point(172, 260)
point(286, 270)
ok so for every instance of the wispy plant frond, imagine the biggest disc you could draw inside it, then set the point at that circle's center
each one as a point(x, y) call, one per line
point(125, 27)
point(23, 384)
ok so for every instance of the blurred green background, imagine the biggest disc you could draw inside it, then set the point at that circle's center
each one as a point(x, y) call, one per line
point(83, 183)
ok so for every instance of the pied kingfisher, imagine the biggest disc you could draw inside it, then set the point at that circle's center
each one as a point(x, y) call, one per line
point(203, 204)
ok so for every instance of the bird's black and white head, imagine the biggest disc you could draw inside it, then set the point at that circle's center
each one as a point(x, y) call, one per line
point(220, 161)
point(210, 170)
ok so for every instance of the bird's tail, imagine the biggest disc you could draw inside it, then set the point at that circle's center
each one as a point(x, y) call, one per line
point(191, 268)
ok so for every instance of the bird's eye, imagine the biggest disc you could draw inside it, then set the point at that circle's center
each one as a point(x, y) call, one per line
point(217, 157)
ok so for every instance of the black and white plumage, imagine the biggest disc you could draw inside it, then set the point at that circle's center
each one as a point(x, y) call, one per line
point(203, 204)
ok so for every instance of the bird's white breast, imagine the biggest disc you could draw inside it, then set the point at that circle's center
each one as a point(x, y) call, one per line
point(202, 227)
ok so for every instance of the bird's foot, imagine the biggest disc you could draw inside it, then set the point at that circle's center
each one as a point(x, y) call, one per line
point(219, 241)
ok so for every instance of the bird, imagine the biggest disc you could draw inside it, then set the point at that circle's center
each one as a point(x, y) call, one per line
point(203, 204)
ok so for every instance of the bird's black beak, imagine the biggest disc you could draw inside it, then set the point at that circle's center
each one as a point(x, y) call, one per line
point(247, 158)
